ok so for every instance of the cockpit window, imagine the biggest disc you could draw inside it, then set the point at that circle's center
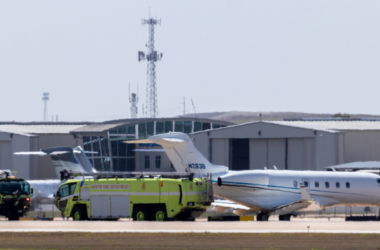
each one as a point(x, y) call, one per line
point(295, 183)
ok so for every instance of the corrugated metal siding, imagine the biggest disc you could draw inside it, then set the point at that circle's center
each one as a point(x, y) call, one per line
point(34, 159)
point(295, 154)
point(258, 154)
point(268, 130)
point(21, 163)
point(5, 155)
point(362, 146)
point(276, 153)
point(309, 153)
point(326, 150)
point(341, 147)
point(220, 151)
point(202, 143)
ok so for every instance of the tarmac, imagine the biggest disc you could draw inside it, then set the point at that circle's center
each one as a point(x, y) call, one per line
point(297, 226)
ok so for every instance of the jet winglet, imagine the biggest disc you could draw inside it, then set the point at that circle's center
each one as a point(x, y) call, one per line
point(304, 193)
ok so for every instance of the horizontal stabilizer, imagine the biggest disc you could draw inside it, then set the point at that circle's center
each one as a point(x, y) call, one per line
point(149, 150)
point(138, 141)
point(31, 153)
point(366, 165)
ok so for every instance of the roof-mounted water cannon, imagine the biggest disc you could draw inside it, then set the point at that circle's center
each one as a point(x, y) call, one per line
point(7, 174)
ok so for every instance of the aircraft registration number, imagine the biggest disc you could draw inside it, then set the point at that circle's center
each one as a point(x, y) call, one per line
point(197, 165)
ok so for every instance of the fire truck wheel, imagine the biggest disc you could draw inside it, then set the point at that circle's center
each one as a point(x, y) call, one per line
point(141, 214)
point(13, 217)
point(159, 214)
point(79, 213)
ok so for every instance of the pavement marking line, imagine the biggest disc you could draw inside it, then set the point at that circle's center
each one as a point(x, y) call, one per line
point(190, 231)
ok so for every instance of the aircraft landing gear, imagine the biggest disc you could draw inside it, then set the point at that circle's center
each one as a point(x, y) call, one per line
point(262, 216)
point(285, 217)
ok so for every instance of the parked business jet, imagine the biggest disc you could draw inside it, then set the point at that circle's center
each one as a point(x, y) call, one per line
point(63, 158)
point(282, 191)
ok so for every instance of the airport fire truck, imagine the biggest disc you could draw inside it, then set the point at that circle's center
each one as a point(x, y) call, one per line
point(14, 195)
point(142, 196)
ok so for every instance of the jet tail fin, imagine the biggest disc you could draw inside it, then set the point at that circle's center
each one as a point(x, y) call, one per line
point(183, 154)
point(66, 158)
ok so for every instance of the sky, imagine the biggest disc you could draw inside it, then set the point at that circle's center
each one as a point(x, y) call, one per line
point(301, 56)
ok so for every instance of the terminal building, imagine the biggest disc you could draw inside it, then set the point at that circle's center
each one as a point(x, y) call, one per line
point(108, 138)
point(293, 145)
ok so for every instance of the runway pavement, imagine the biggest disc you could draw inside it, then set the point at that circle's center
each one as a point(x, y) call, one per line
point(195, 227)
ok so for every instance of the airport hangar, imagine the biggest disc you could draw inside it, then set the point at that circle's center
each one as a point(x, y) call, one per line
point(294, 145)
point(33, 136)
point(106, 138)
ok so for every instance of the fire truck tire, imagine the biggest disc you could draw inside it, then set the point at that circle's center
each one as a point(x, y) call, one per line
point(141, 214)
point(13, 217)
point(159, 213)
point(79, 213)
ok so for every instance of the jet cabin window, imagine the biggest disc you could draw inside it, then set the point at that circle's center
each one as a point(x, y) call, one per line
point(317, 184)
point(378, 181)
point(337, 185)
point(347, 185)
point(327, 184)
point(295, 183)
point(306, 184)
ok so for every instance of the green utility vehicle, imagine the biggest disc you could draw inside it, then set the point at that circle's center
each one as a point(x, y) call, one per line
point(14, 196)
point(142, 196)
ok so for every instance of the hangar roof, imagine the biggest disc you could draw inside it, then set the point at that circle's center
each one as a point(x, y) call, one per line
point(35, 129)
point(108, 125)
point(333, 125)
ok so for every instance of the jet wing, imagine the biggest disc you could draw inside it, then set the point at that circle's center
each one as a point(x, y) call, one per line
point(222, 205)
point(354, 166)
point(305, 204)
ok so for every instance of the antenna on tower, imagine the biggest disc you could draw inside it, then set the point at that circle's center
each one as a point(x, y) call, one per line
point(152, 57)
point(133, 100)
point(194, 108)
point(45, 98)
point(184, 106)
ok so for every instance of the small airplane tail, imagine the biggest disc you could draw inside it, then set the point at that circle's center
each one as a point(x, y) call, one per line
point(184, 156)
point(66, 158)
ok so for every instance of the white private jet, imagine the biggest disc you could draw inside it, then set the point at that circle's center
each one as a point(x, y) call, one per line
point(282, 191)
point(63, 158)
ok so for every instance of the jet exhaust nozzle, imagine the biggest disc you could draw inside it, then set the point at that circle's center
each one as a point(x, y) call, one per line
point(219, 181)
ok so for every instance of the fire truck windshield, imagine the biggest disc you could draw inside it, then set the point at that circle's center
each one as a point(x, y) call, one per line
point(10, 187)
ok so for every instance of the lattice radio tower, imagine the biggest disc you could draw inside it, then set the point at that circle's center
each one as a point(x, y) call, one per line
point(152, 57)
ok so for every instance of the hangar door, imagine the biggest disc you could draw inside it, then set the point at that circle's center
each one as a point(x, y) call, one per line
point(267, 153)
point(5, 155)
point(239, 154)
point(286, 153)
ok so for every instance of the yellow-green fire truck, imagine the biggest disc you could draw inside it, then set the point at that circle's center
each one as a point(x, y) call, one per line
point(141, 196)
point(14, 196)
